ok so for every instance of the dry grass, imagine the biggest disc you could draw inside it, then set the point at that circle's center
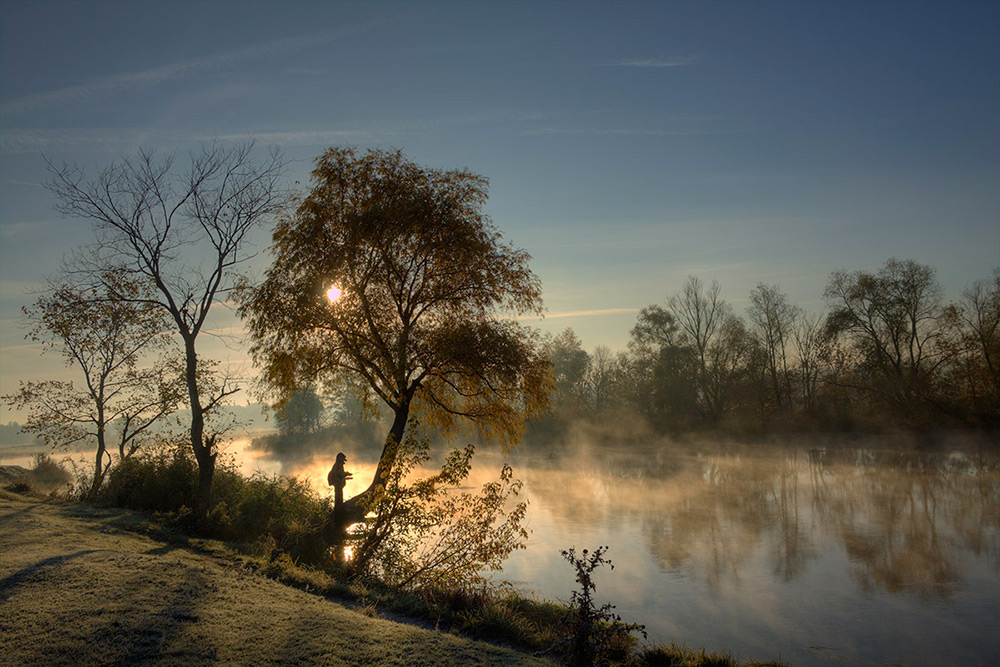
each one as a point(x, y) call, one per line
point(75, 588)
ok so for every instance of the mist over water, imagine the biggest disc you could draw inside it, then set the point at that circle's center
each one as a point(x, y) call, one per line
point(819, 550)
point(872, 556)
point(815, 551)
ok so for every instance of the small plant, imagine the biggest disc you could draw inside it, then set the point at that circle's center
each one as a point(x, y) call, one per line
point(594, 634)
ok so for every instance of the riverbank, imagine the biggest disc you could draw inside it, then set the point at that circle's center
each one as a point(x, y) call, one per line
point(86, 585)
point(79, 585)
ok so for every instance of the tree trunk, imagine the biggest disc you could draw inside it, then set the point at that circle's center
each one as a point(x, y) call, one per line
point(203, 447)
point(354, 509)
point(98, 467)
point(206, 471)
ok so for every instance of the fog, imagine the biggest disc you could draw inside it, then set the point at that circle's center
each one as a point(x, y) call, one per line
point(801, 549)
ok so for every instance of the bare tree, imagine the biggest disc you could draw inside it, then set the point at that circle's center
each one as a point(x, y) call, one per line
point(700, 315)
point(981, 319)
point(730, 356)
point(895, 319)
point(808, 337)
point(185, 233)
point(602, 378)
point(773, 320)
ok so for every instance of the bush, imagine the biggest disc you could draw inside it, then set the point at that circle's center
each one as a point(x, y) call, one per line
point(49, 475)
point(159, 481)
point(285, 512)
point(428, 534)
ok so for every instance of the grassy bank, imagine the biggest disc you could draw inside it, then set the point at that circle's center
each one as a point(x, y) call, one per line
point(78, 586)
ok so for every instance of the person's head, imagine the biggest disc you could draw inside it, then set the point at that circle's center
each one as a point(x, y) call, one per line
point(341, 458)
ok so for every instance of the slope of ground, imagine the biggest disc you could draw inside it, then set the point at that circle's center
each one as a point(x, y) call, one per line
point(75, 588)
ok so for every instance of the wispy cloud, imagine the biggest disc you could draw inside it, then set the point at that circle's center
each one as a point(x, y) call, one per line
point(32, 140)
point(629, 131)
point(583, 313)
point(129, 81)
point(656, 63)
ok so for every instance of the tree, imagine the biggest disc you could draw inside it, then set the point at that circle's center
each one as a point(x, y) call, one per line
point(106, 339)
point(895, 319)
point(570, 363)
point(773, 318)
point(699, 315)
point(809, 348)
point(731, 356)
point(301, 414)
point(604, 378)
point(981, 319)
point(665, 369)
point(420, 280)
point(183, 233)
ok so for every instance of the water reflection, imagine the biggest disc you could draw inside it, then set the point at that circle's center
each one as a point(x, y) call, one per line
point(906, 520)
point(780, 550)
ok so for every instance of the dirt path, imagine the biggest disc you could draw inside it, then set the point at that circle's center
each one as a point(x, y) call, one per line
point(76, 589)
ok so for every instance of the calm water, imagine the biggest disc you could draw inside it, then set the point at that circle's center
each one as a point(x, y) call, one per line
point(815, 555)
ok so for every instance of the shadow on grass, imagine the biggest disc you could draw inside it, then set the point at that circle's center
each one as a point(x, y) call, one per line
point(15, 579)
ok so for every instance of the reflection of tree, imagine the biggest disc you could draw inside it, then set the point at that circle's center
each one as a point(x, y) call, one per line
point(906, 520)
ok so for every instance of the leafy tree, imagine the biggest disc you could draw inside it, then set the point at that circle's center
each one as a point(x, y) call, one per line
point(570, 363)
point(421, 279)
point(302, 413)
point(107, 339)
point(184, 233)
point(665, 369)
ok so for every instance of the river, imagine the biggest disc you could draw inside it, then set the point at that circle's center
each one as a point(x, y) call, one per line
point(816, 553)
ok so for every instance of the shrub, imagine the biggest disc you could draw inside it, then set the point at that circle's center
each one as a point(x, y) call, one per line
point(47, 474)
point(283, 511)
point(157, 481)
point(594, 634)
point(428, 535)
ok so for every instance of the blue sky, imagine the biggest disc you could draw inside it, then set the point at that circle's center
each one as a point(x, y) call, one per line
point(628, 145)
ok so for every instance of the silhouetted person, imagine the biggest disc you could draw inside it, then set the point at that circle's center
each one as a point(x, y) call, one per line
point(338, 480)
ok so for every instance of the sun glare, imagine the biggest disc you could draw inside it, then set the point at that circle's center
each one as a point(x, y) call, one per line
point(334, 293)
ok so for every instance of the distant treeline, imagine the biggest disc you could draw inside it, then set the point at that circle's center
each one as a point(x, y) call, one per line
point(888, 352)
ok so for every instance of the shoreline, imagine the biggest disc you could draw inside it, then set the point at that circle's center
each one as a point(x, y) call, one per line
point(79, 584)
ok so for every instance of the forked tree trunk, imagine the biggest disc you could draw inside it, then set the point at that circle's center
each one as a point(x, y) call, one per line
point(98, 467)
point(354, 509)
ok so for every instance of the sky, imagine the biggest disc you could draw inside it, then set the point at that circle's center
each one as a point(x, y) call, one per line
point(628, 145)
